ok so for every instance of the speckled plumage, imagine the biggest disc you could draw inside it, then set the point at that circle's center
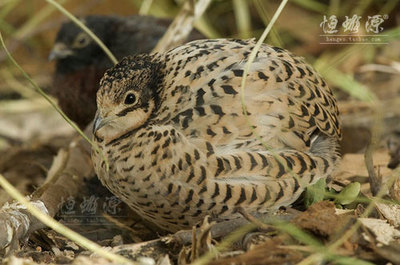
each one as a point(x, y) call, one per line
point(179, 146)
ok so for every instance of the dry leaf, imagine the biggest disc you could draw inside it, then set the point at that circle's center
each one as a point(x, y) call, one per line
point(383, 231)
point(391, 212)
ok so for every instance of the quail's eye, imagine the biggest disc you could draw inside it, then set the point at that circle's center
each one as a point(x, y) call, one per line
point(82, 40)
point(130, 99)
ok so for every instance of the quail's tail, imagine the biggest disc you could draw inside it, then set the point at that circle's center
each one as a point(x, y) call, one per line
point(325, 146)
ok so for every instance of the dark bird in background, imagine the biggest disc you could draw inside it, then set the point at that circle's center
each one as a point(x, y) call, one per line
point(80, 62)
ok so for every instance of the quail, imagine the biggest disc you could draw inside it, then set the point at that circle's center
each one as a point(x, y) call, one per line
point(80, 62)
point(176, 142)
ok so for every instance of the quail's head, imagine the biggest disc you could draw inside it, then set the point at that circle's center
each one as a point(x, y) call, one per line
point(127, 96)
point(72, 43)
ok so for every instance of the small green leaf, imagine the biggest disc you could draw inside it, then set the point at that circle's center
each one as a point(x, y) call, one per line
point(315, 193)
point(348, 194)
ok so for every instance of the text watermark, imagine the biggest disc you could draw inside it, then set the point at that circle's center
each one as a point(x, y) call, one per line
point(353, 30)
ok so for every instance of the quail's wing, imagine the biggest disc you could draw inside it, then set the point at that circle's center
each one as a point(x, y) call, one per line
point(283, 103)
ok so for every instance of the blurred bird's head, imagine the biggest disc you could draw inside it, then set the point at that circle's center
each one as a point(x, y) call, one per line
point(72, 43)
point(127, 97)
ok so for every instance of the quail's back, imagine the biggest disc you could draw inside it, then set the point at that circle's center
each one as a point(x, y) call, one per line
point(183, 141)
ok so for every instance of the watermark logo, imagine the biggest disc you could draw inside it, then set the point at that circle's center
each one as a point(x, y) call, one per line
point(352, 24)
point(329, 25)
point(373, 23)
point(71, 211)
point(353, 30)
point(89, 205)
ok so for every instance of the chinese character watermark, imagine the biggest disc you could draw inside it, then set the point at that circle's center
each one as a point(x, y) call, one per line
point(67, 207)
point(89, 205)
point(373, 23)
point(111, 204)
point(351, 30)
point(90, 209)
point(352, 24)
point(329, 26)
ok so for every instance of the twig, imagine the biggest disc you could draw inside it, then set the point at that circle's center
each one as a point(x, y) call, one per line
point(182, 25)
point(374, 181)
point(253, 220)
point(145, 7)
point(224, 228)
point(380, 68)
point(242, 17)
point(65, 178)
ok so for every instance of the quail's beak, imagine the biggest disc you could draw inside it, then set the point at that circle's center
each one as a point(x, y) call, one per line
point(100, 122)
point(59, 51)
